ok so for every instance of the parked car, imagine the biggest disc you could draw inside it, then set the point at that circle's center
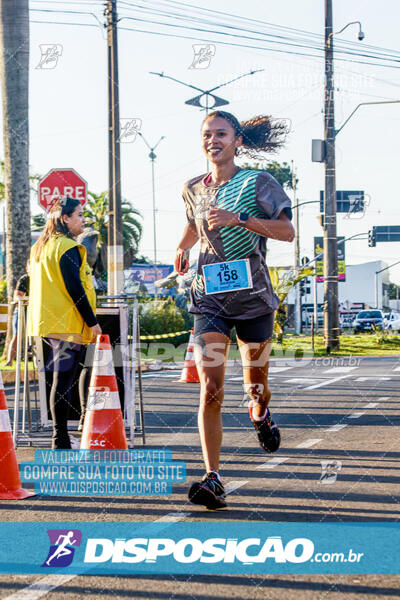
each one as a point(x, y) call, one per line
point(367, 320)
point(388, 318)
point(394, 324)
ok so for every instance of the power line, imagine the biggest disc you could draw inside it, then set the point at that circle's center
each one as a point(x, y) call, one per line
point(131, 6)
point(242, 19)
point(286, 41)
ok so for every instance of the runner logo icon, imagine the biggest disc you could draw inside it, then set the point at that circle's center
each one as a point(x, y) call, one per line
point(61, 551)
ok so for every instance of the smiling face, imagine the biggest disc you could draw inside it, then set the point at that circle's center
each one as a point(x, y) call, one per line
point(76, 222)
point(219, 141)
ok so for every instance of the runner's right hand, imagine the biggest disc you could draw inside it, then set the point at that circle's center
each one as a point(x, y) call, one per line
point(181, 264)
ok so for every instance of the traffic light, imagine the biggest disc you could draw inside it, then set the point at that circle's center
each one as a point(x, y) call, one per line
point(302, 289)
point(372, 238)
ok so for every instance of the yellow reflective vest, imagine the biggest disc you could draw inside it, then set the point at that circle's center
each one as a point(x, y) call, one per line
point(51, 309)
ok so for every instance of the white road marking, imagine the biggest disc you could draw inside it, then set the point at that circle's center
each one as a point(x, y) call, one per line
point(383, 398)
point(41, 587)
point(371, 405)
point(309, 443)
point(301, 380)
point(337, 427)
point(148, 374)
point(274, 462)
point(356, 415)
point(239, 378)
point(278, 369)
point(340, 370)
point(323, 383)
point(173, 517)
point(231, 486)
point(396, 369)
point(375, 377)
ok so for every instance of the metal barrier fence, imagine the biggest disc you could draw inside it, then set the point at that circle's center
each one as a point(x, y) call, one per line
point(25, 431)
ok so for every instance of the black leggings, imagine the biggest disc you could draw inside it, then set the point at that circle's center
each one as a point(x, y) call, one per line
point(64, 361)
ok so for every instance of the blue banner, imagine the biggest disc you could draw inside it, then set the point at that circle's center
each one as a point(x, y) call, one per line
point(213, 548)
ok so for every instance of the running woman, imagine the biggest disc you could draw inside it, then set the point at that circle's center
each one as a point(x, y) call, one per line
point(232, 211)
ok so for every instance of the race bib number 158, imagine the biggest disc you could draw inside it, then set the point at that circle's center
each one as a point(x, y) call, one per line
point(227, 276)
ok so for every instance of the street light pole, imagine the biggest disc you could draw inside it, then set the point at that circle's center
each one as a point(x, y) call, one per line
point(297, 307)
point(205, 95)
point(153, 156)
point(331, 313)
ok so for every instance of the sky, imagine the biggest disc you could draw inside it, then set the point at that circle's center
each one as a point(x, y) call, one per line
point(68, 110)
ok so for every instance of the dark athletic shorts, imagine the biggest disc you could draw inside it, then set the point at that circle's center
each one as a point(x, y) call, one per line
point(254, 330)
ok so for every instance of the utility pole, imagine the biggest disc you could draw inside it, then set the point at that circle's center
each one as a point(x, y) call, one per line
point(297, 307)
point(115, 254)
point(331, 314)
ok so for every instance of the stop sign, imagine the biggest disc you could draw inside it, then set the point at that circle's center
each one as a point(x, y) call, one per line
point(59, 183)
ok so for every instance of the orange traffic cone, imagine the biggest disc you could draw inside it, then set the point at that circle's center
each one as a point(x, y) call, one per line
point(103, 427)
point(189, 371)
point(10, 481)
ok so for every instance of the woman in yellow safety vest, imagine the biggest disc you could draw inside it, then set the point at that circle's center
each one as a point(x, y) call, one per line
point(61, 306)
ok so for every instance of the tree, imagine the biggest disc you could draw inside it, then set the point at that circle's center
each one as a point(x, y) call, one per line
point(96, 213)
point(14, 75)
point(281, 172)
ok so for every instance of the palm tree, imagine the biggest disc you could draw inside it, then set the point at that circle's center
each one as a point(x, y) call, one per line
point(14, 75)
point(96, 213)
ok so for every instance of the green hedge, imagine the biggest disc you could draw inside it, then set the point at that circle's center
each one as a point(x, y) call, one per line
point(163, 316)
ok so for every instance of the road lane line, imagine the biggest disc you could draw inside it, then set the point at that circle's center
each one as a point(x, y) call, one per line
point(302, 380)
point(41, 588)
point(309, 443)
point(231, 486)
point(371, 405)
point(173, 517)
point(327, 382)
point(356, 415)
point(337, 427)
point(341, 369)
point(274, 462)
point(375, 377)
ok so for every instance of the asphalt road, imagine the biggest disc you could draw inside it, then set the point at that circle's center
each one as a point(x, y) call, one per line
point(345, 412)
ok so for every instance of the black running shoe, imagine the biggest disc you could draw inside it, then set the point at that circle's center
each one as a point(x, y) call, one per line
point(268, 433)
point(209, 492)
